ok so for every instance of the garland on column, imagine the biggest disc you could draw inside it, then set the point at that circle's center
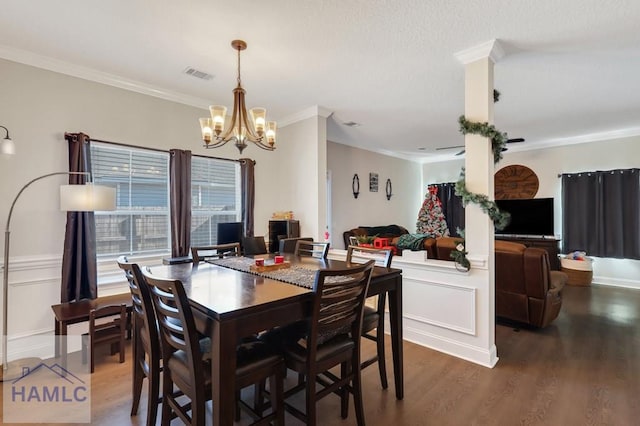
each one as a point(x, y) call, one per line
point(498, 141)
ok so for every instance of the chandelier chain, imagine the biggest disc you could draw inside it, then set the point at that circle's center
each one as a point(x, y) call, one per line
point(239, 82)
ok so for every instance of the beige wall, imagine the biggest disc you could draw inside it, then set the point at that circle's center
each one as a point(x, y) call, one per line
point(39, 106)
point(371, 208)
point(547, 164)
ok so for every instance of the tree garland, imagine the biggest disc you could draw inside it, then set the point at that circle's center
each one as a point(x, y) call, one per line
point(500, 219)
point(498, 139)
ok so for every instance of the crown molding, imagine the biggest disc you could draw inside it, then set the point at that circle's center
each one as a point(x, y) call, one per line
point(314, 111)
point(90, 74)
point(551, 143)
point(491, 49)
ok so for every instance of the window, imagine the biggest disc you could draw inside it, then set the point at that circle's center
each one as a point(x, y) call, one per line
point(215, 197)
point(140, 223)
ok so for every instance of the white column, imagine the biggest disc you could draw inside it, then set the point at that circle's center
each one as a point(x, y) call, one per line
point(479, 167)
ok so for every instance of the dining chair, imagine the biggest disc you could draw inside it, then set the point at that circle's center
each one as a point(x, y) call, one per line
point(187, 363)
point(201, 253)
point(311, 248)
point(147, 356)
point(288, 245)
point(332, 338)
point(373, 318)
point(253, 245)
point(112, 332)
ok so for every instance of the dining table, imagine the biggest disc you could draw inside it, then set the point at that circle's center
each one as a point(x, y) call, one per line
point(231, 302)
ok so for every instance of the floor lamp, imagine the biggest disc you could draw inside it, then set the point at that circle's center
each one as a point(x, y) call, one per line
point(82, 197)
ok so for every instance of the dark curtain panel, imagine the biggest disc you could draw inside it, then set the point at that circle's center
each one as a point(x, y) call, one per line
point(180, 201)
point(452, 207)
point(601, 213)
point(79, 268)
point(247, 183)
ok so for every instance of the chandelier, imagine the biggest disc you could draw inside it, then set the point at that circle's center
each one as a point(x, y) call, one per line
point(241, 129)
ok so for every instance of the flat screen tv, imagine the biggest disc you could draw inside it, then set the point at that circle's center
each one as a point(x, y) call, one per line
point(230, 232)
point(533, 217)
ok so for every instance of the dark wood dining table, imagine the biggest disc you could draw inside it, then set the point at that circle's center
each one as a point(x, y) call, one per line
point(237, 304)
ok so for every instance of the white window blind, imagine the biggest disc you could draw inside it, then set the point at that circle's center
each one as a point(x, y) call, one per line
point(140, 223)
point(215, 197)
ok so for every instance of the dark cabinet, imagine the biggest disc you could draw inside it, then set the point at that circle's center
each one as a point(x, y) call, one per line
point(285, 228)
point(548, 244)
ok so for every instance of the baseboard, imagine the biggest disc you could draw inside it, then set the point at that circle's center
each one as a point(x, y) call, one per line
point(616, 282)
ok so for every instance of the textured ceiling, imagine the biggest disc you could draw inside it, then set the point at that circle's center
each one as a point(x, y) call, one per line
point(570, 72)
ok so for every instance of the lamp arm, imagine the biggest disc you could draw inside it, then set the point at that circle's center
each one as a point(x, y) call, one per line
point(6, 130)
point(5, 265)
point(28, 184)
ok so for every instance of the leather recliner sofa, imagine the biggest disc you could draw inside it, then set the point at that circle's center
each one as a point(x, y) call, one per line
point(527, 290)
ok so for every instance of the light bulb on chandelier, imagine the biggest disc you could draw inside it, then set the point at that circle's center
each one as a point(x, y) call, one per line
point(257, 130)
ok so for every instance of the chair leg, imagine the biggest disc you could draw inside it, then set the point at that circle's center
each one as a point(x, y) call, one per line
point(276, 394)
point(258, 396)
point(92, 357)
point(237, 407)
point(122, 348)
point(344, 392)
point(381, 358)
point(310, 400)
point(357, 394)
point(85, 343)
point(380, 342)
point(137, 372)
point(152, 396)
point(167, 390)
point(136, 389)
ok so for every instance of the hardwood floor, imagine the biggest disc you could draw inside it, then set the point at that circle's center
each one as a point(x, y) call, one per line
point(584, 369)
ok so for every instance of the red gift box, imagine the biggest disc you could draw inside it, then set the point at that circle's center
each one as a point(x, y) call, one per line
point(381, 242)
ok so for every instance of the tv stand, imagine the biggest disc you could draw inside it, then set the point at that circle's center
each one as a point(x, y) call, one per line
point(550, 244)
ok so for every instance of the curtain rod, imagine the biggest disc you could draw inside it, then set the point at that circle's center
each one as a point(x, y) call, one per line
point(160, 150)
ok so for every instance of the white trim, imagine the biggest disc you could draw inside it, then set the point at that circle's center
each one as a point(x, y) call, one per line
point(486, 358)
point(90, 74)
point(314, 111)
point(616, 282)
point(550, 143)
point(490, 49)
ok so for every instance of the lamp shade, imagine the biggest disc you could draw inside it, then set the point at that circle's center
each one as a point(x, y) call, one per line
point(87, 197)
point(7, 147)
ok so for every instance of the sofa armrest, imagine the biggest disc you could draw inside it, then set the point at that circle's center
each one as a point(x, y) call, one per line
point(557, 281)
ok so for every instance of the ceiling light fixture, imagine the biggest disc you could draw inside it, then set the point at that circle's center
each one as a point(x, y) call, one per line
point(241, 129)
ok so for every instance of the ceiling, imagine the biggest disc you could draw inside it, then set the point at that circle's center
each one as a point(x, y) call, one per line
point(570, 73)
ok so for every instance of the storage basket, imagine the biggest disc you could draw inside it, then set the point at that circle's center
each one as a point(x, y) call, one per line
point(580, 272)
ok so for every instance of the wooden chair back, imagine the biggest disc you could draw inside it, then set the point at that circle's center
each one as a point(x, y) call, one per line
point(357, 254)
point(178, 333)
point(146, 344)
point(112, 332)
point(338, 303)
point(144, 316)
point(312, 249)
point(288, 245)
point(217, 251)
point(254, 245)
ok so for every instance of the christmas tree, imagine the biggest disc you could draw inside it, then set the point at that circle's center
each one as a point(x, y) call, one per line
point(431, 220)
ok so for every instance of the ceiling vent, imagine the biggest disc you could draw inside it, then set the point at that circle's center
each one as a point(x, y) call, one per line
point(198, 74)
point(351, 124)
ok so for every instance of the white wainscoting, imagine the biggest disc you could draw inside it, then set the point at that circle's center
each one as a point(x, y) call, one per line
point(445, 309)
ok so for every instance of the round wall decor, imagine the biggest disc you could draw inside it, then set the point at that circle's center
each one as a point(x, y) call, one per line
point(515, 182)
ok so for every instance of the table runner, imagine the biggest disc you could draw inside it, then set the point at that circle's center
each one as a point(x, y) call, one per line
point(297, 275)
